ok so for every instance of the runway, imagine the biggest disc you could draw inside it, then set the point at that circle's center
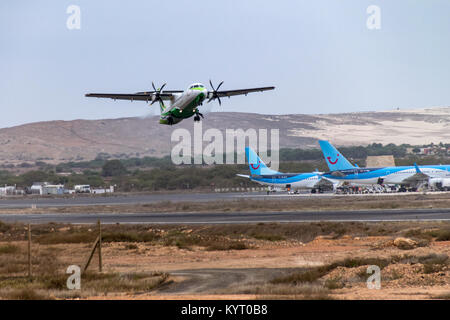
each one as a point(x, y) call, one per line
point(124, 199)
point(234, 217)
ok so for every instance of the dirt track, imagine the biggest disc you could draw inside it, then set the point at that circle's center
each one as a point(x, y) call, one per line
point(214, 281)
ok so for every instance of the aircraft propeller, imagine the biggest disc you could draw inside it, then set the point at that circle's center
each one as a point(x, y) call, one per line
point(158, 92)
point(214, 93)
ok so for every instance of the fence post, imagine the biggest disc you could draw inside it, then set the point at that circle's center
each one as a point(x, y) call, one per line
point(100, 246)
point(29, 250)
point(91, 255)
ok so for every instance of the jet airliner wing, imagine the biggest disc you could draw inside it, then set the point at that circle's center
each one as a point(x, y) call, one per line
point(418, 178)
point(324, 182)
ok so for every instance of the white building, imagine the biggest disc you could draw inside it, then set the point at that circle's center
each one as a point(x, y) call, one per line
point(82, 188)
point(101, 191)
point(37, 187)
point(53, 189)
point(7, 190)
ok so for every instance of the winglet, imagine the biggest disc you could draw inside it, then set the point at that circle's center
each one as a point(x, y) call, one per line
point(417, 168)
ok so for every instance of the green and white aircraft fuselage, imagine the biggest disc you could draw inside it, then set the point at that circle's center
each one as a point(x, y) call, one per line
point(183, 104)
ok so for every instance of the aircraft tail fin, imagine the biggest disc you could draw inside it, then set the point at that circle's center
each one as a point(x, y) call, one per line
point(256, 165)
point(417, 168)
point(334, 159)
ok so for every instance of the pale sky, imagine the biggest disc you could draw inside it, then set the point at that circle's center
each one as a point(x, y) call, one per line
point(319, 54)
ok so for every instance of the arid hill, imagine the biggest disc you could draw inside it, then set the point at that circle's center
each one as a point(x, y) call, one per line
point(58, 141)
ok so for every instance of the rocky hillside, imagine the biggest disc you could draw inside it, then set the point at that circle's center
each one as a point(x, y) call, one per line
point(58, 141)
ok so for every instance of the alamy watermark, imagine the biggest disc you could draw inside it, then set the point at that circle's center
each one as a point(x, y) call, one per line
point(374, 281)
point(374, 19)
point(74, 280)
point(73, 21)
point(192, 149)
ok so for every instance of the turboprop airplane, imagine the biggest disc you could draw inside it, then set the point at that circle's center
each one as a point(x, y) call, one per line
point(261, 174)
point(412, 177)
point(183, 104)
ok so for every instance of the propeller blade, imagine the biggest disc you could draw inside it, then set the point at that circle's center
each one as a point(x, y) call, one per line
point(161, 89)
point(153, 85)
point(214, 92)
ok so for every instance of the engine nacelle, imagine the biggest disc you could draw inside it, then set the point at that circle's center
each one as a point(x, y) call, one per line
point(440, 183)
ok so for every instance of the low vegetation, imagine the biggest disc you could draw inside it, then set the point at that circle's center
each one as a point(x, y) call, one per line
point(320, 282)
point(432, 263)
point(210, 236)
point(153, 174)
point(49, 280)
point(314, 274)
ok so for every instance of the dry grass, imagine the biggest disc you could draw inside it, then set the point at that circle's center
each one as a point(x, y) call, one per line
point(432, 263)
point(24, 294)
point(313, 275)
point(49, 279)
point(270, 291)
point(444, 296)
point(9, 249)
point(222, 237)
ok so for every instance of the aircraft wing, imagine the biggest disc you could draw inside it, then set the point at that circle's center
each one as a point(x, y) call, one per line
point(243, 176)
point(337, 174)
point(140, 96)
point(324, 182)
point(416, 179)
point(229, 93)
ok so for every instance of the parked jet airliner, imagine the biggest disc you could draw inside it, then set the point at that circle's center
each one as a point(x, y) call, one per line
point(183, 104)
point(414, 177)
point(261, 174)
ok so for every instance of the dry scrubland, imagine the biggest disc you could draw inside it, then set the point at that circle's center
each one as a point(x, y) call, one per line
point(275, 261)
point(61, 141)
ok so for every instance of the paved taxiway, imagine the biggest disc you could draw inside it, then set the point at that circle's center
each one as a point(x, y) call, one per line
point(43, 202)
point(234, 217)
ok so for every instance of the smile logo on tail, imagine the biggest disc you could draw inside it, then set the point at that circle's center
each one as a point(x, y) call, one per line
point(253, 166)
point(333, 162)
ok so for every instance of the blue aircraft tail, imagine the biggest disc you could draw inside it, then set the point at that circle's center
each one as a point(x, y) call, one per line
point(256, 165)
point(334, 159)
